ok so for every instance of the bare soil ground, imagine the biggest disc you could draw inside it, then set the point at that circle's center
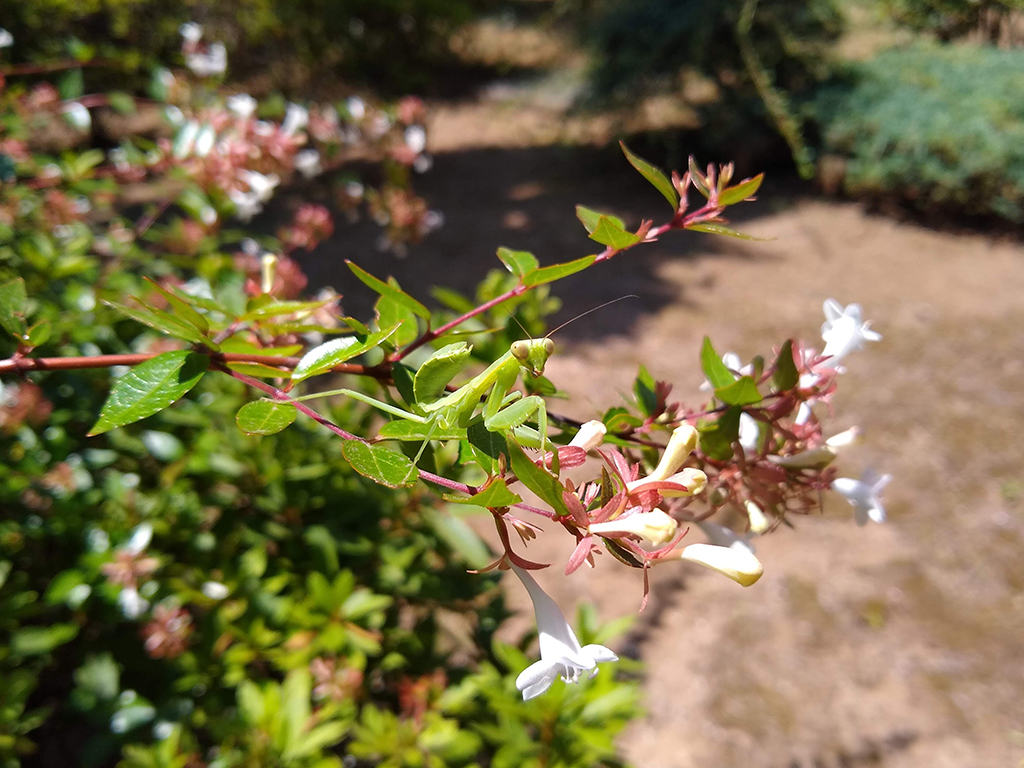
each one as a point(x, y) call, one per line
point(900, 645)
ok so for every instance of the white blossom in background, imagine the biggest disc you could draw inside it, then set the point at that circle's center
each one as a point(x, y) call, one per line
point(560, 651)
point(295, 119)
point(213, 62)
point(750, 433)
point(863, 495)
point(6, 38)
point(844, 331)
point(242, 104)
point(590, 436)
point(174, 115)
point(131, 603)
point(356, 107)
point(261, 184)
point(215, 590)
point(307, 162)
point(191, 32)
point(821, 456)
point(721, 536)
point(416, 138)
point(185, 141)
point(78, 116)
point(205, 140)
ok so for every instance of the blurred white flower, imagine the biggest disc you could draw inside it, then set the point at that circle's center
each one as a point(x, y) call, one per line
point(205, 140)
point(416, 138)
point(821, 456)
point(191, 32)
point(215, 590)
point(560, 651)
point(843, 331)
point(863, 495)
point(307, 162)
point(213, 62)
point(77, 115)
point(295, 119)
point(356, 107)
point(140, 539)
point(131, 603)
point(242, 104)
point(6, 38)
point(260, 184)
point(721, 536)
point(750, 433)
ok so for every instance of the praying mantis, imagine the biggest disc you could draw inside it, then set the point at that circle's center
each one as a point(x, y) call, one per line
point(440, 414)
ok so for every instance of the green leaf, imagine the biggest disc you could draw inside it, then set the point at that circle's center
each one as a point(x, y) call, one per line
point(592, 218)
point(743, 391)
point(654, 175)
point(643, 390)
point(607, 232)
point(785, 376)
point(719, 229)
point(335, 352)
point(493, 496)
point(164, 322)
point(32, 641)
point(404, 378)
point(71, 84)
point(557, 271)
point(386, 290)
point(740, 192)
point(39, 333)
point(459, 536)
point(395, 470)
point(538, 480)
point(716, 372)
point(519, 263)
point(262, 311)
point(181, 309)
point(439, 369)
point(122, 102)
point(12, 307)
point(485, 446)
point(411, 431)
point(265, 417)
point(389, 313)
point(150, 387)
point(717, 437)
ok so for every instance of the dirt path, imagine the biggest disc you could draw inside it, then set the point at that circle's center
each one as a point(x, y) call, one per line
point(896, 645)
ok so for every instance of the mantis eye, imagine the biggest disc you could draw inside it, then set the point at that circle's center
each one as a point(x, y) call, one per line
point(549, 347)
point(520, 350)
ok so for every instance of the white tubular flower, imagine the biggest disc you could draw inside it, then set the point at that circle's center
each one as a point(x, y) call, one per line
point(213, 62)
point(215, 590)
point(295, 119)
point(821, 456)
point(140, 539)
point(844, 331)
point(739, 565)
point(416, 138)
point(759, 522)
point(205, 140)
point(680, 446)
point(560, 651)
point(307, 162)
point(191, 32)
point(6, 38)
point(750, 433)
point(78, 116)
point(247, 204)
point(131, 603)
point(261, 185)
point(356, 107)
point(655, 526)
point(590, 436)
point(863, 495)
point(242, 105)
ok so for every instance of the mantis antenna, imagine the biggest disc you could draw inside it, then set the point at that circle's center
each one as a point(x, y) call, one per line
point(584, 314)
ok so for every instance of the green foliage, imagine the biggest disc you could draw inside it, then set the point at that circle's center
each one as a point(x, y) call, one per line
point(940, 127)
point(949, 19)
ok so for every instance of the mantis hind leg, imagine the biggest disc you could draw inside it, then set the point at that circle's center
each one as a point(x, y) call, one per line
point(516, 415)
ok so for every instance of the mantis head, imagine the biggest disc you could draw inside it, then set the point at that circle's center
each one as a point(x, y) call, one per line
point(533, 354)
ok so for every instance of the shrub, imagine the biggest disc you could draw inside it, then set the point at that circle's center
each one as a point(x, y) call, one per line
point(941, 127)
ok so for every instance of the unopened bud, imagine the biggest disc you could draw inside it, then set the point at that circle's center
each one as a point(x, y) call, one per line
point(759, 522)
point(680, 446)
point(654, 526)
point(590, 436)
point(739, 565)
point(694, 480)
point(819, 457)
point(269, 271)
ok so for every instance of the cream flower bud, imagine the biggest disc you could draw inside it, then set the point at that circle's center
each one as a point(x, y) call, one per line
point(759, 522)
point(680, 446)
point(818, 457)
point(694, 479)
point(590, 436)
point(268, 272)
point(654, 526)
point(739, 565)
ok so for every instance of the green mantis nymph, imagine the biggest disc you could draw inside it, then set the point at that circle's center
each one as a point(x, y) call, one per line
point(442, 413)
